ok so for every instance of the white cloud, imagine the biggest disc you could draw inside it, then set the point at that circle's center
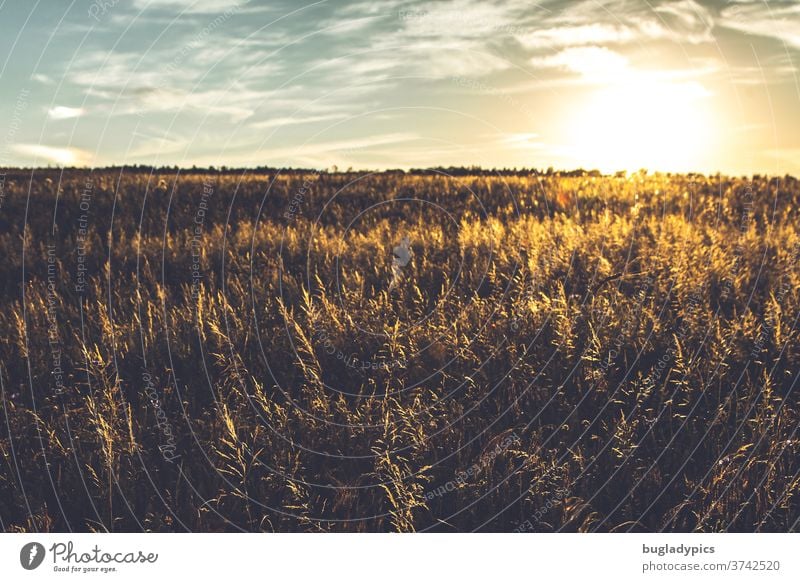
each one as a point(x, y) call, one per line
point(440, 39)
point(236, 104)
point(591, 62)
point(688, 13)
point(524, 141)
point(144, 145)
point(35, 153)
point(457, 19)
point(43, 79)
point(778, 21)
point(359, 143)
point(284, 121)
point(600, 22)
point(61, 112)
point(121, 71)
point(580, 34)
point(460, 62)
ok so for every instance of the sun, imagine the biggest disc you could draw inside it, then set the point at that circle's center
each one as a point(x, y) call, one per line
point(640, 121)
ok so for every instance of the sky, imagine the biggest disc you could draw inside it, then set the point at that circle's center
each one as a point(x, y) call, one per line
point(687, 85)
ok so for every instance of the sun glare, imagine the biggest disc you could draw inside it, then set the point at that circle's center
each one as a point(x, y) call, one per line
point(640, 122)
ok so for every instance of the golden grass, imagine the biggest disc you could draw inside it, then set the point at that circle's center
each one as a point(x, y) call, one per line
point(637, 335)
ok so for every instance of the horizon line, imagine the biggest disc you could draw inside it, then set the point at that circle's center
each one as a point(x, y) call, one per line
point(334, 170)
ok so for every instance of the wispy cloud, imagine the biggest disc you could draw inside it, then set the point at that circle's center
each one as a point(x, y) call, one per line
point(578, 34)
point(689, 14)
point(355, 144)
point(216, 78)
point(453, 37)
point(43, 79)
point(285, 121)
point(592, 62)
point(776, 20)
point(524, 141)
point(146, 145)
point(610, 22)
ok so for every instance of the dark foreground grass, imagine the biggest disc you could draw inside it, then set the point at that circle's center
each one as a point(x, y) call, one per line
point(394, 352)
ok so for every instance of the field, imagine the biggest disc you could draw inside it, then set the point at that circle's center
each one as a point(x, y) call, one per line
point(429, 351)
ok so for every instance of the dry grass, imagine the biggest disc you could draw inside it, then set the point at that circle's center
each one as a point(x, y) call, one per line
point(637, 337)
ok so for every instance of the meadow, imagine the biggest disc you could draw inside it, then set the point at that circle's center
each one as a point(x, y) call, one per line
point(428, 351)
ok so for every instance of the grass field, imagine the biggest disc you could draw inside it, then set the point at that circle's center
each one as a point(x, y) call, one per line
point(398, 352)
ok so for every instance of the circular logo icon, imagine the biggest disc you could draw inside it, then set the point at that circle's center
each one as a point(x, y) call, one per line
point(32, 555)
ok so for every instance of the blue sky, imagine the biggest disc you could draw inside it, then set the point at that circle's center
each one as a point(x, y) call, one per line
point(688, 85)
